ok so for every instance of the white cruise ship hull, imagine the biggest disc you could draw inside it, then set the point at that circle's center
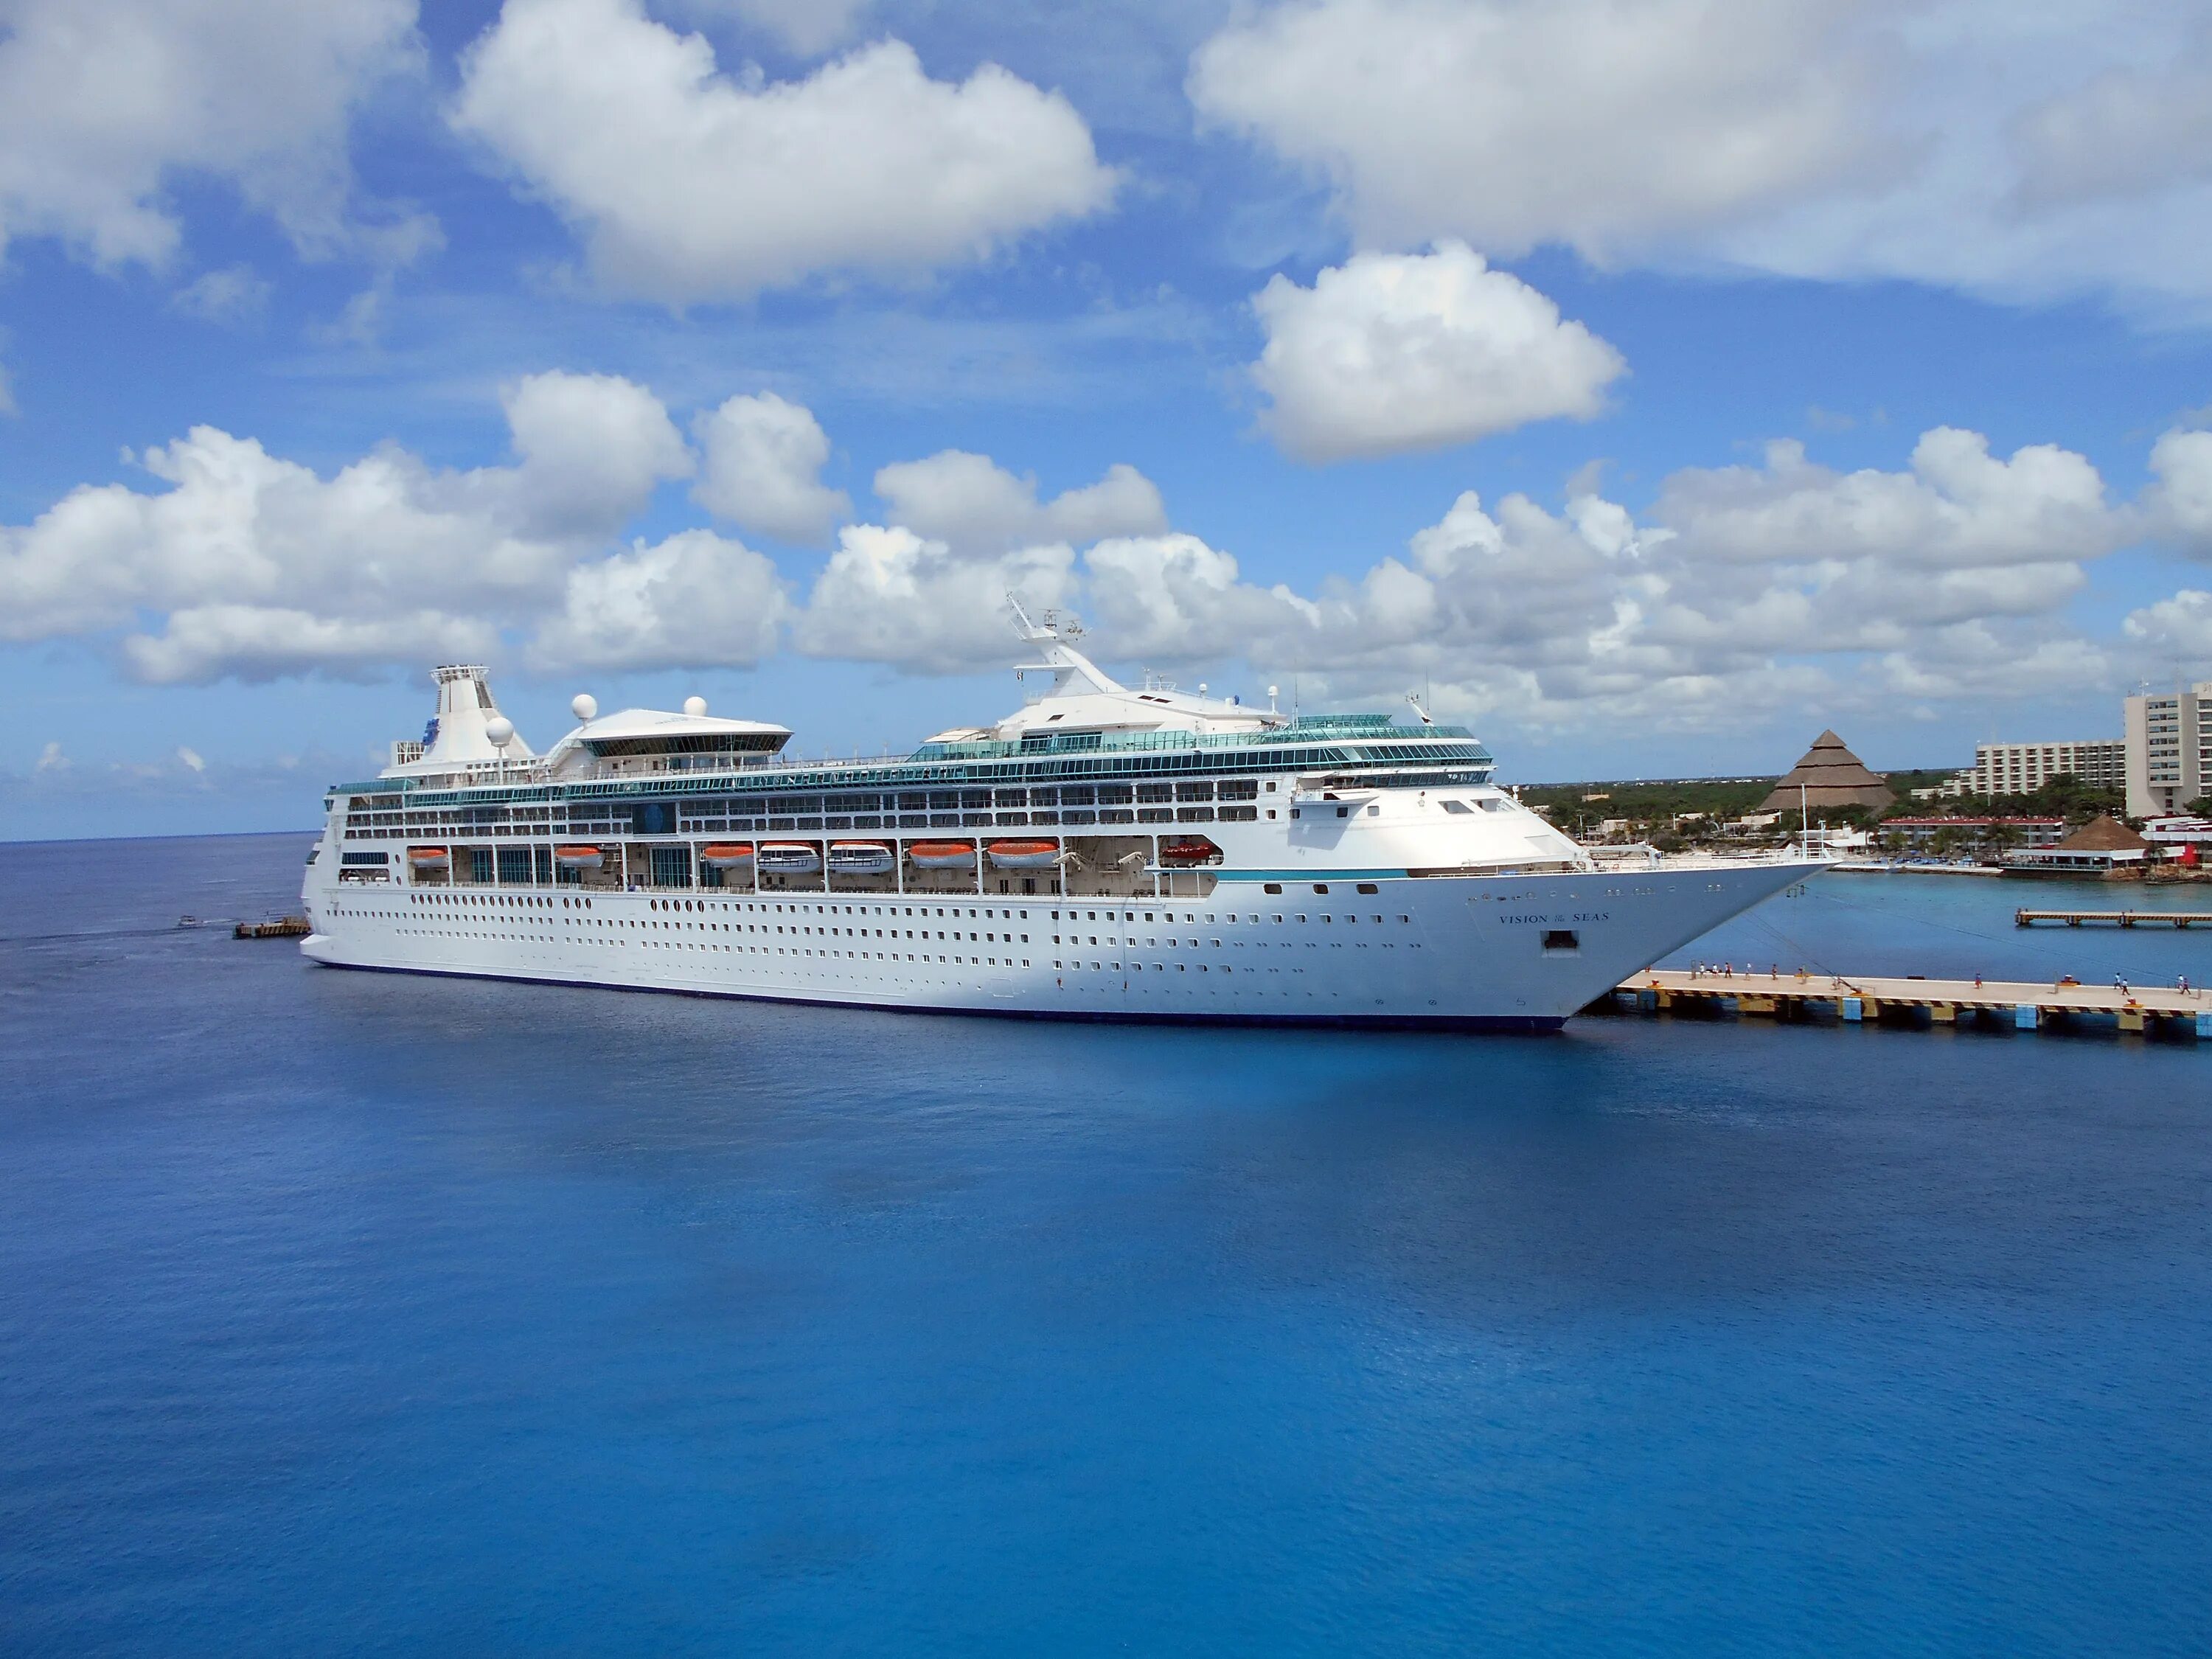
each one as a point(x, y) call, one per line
point(1497, 952)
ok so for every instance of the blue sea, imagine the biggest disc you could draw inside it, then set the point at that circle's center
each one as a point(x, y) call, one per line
point(363, 1314)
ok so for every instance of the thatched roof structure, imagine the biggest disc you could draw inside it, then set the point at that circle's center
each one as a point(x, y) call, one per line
point(1831, 777)
point(2102, 834)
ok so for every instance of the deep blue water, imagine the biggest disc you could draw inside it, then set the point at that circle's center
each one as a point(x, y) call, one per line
point(348, 1313)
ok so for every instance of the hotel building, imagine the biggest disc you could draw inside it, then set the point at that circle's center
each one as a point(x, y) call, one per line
point(2169, 749)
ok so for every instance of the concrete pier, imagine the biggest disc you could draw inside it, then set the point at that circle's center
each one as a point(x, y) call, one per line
point(1856, 1000)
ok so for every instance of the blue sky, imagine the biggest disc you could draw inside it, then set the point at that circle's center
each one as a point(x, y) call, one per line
point(1656, 381)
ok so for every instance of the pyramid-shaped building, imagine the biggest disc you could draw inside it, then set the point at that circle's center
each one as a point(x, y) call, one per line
point(1830, 776)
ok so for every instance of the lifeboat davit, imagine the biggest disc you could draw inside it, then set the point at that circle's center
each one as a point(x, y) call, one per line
point(1192, 850)
point(430, 857)
point(942, 854)
point(1022, 855)
point(861, 858)
point(788, 858)
point(726, 855)
point(579, 858)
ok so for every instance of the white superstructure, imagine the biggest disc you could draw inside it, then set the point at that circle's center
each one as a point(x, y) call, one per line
point(1107, 851)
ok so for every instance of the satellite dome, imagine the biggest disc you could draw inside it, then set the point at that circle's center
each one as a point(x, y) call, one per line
point(585, 707)
point(500, 730)
point(694, 707)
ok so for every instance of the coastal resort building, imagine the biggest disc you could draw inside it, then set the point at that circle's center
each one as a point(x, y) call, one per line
point(2097, 849)
point(1829, 778)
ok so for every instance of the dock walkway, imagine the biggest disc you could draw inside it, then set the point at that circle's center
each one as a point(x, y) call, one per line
point(1860, 999)
point(2115, 918)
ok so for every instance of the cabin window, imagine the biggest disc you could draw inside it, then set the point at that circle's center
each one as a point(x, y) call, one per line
point(1369, 887)
point(1273, 887)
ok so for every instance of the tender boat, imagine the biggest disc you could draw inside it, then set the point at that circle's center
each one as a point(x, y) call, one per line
point(788, 858)
point(861, 858)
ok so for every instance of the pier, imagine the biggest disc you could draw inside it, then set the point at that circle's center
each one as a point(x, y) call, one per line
point(2113, 918)
point(1860, 1000)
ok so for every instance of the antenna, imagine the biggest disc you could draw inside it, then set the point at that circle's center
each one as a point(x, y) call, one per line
point(1415, 698)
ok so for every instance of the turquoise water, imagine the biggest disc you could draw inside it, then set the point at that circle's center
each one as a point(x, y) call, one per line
point(363, 1313)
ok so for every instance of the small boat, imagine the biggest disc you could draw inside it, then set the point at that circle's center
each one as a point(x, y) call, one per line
point(861, 858)
point(788, 858)
point(1193, 850)
point(942, 854)
point(726, 854)
point(579, 858)
point(1022, 855)
point(429, 858)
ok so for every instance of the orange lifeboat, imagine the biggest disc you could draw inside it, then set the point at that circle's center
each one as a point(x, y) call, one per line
point(942, 854)
point(726, 855)
point(430, 859)
point(579, 858)
point(1022, 855)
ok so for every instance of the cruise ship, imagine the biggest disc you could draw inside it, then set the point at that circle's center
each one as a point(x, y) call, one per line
point(1108, 852)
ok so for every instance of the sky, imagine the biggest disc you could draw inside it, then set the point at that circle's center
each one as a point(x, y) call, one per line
point(1646, 384)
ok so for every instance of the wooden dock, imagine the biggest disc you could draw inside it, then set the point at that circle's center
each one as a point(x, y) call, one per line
point(1856, 1000)
point(2114, 918)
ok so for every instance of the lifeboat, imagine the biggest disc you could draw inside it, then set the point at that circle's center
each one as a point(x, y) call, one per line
point(726, 855)
point(787, 858)
point(942, 854)
point(430, 859)
point(579, 858)
point(1192, 851)
point(861, 858)
point(1022, 855)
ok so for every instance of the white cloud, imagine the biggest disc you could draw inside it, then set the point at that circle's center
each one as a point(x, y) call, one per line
point(2127, 132)
point(1958, 505)
point(235, 294)
point(270, 642)
point(695, 600)
point(889, 595)
point(1598, 123)
point(2174, 629)
point(51, 759)
point(688, 185)
point(2020, 152)
point(972, 503)
point(762, 469)
point(1392, 352)
point(263, 568)
point(1745, 587)
point(105, 103)
point(6, 392)
point(192, 759)
point(2179, 503)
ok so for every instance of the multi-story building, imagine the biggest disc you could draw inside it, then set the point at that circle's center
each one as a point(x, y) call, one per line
point(2021, 768)
point(2169, 749)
